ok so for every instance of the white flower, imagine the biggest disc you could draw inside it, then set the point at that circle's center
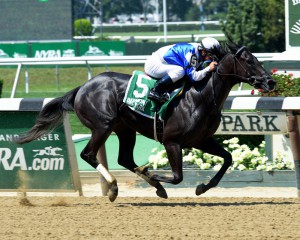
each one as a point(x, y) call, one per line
point(233, 145)
point(154, 150)
point(263, 144)
point(205, 166)
point(269, 168)
point(255, 152)
point(261, 167)
point(163, 162)
point(217, 167)
point(189, 158)
point(241, 167)
point(234, 140)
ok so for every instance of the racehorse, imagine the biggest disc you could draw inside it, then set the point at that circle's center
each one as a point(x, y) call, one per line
point(191, 119)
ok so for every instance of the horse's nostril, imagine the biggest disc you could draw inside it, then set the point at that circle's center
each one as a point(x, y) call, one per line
point(271, 82)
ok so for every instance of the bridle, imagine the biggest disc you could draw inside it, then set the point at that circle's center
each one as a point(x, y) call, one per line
point(252, 80)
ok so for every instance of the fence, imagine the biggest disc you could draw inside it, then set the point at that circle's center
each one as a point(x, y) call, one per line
point(88, 62)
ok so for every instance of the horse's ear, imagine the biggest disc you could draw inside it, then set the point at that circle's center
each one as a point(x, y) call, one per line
point(233, 47)
point(239, 51)
point(230, 44)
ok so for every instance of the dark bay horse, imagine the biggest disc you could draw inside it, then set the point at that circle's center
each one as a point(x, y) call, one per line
point(191, 120)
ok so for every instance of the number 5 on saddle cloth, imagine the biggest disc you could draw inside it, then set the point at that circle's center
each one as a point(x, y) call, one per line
point(136, 99)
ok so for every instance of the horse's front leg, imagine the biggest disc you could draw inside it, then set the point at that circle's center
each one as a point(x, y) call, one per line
point(146, 175)
point(214, 148)
point(175, 159)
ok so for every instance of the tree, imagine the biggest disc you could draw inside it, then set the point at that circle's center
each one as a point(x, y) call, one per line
point(258, 24)
point(273, 25)
point(216, 9)
point(112, 8)
point(193, 14)
point(177, 9)
point(243, 24)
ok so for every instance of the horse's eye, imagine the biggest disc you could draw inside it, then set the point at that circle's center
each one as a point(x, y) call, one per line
point(250, 61)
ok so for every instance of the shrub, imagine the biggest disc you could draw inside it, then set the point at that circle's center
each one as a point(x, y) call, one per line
point(244, 158)
point(286, 86)
point(83, 27)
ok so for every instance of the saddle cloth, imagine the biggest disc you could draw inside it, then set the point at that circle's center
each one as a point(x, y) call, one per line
point(136, 96)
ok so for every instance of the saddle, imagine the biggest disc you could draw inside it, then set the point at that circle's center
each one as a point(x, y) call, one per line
point(136, 99)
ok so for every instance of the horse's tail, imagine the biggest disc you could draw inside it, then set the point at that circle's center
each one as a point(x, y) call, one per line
point(50, 117)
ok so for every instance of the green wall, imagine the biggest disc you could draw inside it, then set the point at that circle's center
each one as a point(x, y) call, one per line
point(142, 151)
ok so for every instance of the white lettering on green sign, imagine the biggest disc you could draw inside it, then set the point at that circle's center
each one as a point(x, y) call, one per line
point(11, 160)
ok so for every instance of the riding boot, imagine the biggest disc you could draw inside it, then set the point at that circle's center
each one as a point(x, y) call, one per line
point(158, 92)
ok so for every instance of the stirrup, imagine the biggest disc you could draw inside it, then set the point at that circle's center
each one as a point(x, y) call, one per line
point(155, 96)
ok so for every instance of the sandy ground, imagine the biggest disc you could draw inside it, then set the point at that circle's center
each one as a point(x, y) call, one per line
point(247, 213)
point(127, 190)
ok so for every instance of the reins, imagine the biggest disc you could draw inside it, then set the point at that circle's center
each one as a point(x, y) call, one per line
point(236, 77)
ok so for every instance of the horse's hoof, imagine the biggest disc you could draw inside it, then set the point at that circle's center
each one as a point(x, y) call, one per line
point(111, 196)
point(200, 189)
point(162, 193)
point(113, 193)
point(154, 177)
point(141, 169)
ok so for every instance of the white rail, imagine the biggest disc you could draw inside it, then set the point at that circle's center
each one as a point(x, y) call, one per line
point(85, 61)
point(195, 37)
point(142, 24)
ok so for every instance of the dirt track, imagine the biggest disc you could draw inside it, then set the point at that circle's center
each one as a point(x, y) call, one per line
point(149, 218)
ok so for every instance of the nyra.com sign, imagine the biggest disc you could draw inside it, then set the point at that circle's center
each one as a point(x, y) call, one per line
point(253, 123)
point(41, 164)
point(48, 158)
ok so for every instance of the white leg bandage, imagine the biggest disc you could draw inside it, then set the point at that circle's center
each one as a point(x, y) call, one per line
point(101, 169)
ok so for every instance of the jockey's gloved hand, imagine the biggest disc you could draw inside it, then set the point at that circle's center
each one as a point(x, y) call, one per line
point(213, 66)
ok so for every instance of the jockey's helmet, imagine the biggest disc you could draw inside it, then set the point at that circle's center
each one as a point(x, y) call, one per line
point(210, 45)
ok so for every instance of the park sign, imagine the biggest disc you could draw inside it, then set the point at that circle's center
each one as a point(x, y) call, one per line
point(47, 164)
point(292, 22)
point(247, 123)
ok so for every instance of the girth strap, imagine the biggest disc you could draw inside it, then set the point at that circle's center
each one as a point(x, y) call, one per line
point(158, 128)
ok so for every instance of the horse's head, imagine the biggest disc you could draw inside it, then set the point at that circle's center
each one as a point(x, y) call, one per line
point(248, 69)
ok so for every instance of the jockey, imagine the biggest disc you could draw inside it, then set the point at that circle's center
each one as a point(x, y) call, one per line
point(173, 62)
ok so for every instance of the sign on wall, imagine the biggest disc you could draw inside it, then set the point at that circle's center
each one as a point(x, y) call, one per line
point(14, 50)
point(55, 49)
point(253, 123)
point(44, 164)
point(111, 48)
point(292, 16)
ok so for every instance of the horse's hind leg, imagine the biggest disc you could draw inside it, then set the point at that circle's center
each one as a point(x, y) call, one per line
point(214, 148)
point(127, 138)
point(89, 154)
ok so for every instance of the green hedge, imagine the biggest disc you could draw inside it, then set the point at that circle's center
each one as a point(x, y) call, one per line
point(83, 27)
